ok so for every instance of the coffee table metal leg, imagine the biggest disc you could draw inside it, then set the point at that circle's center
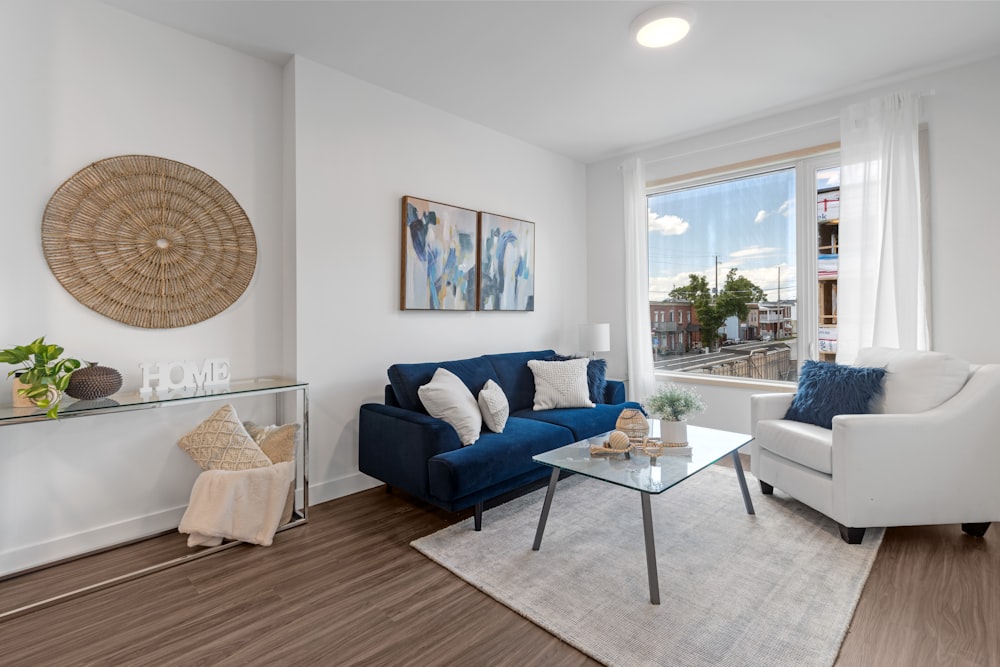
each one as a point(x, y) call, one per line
point(647, 529)
point(743, 482)
point(545, 509)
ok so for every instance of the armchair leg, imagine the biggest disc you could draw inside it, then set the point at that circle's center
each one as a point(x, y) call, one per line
point(479, 516)
point(851, 535)
point(766, 488)
point(975, 529)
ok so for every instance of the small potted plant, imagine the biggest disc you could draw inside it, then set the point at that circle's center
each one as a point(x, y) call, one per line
point(671, 404)
point(41, 376)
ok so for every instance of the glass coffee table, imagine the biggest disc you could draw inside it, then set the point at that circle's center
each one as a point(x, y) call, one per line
point(646, 475)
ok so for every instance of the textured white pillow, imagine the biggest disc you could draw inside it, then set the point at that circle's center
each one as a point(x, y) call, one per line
point(446, 397)
point(494, 406)
point(915, 381)
point(560, 384)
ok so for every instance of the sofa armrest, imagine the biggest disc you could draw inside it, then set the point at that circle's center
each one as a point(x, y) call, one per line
point(614, 392)
point(768, 406)
point(394, 445)
point(937, 466)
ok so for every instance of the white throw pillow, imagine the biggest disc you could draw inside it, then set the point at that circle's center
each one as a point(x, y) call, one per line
point(446, 397)
point(494, 406)
point(915, 381)
point(560, 384)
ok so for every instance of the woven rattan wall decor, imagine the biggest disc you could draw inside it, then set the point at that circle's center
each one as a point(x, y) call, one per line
point(149, 242)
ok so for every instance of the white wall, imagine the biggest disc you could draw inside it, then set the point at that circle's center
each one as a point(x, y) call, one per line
point(82, 82)
point(358, 150)
point(964, 141)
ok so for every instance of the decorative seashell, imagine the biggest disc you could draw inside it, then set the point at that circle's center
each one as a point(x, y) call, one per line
point(618, 440)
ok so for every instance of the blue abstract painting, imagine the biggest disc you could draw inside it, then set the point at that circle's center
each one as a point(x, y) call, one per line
point(439, 256)
point(507, 263)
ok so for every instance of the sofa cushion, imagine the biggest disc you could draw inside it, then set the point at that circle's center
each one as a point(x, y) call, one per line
point(514, 377)
point(916, 381)
point(807, 444)
point(447, 398)
point(493, 404)
point(560, 384)
point(826, 390)
point(406, 379)
point(583, 422)
point(494, 458)
point(597, 372)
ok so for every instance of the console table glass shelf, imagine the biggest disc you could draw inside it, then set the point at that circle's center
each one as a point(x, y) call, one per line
point(128, 401)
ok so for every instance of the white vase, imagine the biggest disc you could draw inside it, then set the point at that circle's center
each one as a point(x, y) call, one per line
point(674, 432)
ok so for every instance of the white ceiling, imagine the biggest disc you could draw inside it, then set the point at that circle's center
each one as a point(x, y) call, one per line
point(565, 75)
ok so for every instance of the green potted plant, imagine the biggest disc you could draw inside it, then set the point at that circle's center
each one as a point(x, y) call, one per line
point(42, 375)
point(671, 404)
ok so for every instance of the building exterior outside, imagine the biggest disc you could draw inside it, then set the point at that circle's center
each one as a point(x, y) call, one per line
point(771, 320)
point(675, 328)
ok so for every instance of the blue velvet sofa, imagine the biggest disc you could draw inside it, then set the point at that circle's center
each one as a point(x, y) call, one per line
point(403, 446)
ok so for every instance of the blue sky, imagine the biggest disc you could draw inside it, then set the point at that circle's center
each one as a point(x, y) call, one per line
point(747, 223)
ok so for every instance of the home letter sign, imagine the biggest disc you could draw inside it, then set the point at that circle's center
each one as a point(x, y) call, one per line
point(184, 374)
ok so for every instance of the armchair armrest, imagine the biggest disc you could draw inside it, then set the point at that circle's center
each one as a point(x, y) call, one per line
point(768, 406)
point(937, 466)
point(394, 445)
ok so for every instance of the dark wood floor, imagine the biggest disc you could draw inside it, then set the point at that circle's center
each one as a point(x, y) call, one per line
point(346, 589)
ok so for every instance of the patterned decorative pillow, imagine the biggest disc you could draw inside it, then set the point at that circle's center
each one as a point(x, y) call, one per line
point(494, 406)
point(597, 371)
point(560, 384)
point(221, 443)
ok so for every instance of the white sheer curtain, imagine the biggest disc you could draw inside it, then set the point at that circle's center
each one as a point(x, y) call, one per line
point(639, 346)
point(883, 282)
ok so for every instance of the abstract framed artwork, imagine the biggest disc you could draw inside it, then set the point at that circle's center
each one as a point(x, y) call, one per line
point(506, 263)
point(439, 269)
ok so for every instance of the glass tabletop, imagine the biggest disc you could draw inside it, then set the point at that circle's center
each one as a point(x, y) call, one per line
point(643, 473)
point(133, 400)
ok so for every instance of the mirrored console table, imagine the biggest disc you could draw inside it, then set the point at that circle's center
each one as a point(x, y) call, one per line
point(128, 401)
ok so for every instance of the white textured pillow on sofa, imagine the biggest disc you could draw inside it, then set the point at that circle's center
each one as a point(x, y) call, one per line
point(494, 406)
point(446, 397)
point(915, 381)
point(560, 384)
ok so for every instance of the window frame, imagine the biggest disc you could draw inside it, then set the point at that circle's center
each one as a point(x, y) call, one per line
point(806, 252)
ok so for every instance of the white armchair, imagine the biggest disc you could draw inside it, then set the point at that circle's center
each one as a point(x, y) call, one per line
point(933, 466)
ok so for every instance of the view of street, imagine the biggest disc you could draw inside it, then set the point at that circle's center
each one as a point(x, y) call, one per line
point(694, 360)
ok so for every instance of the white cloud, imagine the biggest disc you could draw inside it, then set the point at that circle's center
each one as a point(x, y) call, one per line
point(787, 208)
point(756, 251)
point(668, 225)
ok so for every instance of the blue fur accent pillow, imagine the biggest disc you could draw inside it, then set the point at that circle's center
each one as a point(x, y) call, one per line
point(597, 380)
point(826, 390)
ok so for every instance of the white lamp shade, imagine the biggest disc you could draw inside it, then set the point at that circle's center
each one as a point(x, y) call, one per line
point(595, 337)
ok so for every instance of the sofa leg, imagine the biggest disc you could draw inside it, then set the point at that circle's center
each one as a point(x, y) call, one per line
point(388, 488)
point(851, 535)
point(479, 516)
point(766, 488)
point(975, 529)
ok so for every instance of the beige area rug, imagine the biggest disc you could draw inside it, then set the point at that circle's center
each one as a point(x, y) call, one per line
point(777, 588)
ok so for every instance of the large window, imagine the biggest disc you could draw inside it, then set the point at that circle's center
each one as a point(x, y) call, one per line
point(737, 252)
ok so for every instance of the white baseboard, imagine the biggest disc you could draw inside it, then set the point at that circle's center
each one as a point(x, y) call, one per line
point(320, 492)
point(69, 546)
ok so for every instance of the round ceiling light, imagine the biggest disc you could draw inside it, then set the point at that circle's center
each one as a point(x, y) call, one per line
point(663, 25)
